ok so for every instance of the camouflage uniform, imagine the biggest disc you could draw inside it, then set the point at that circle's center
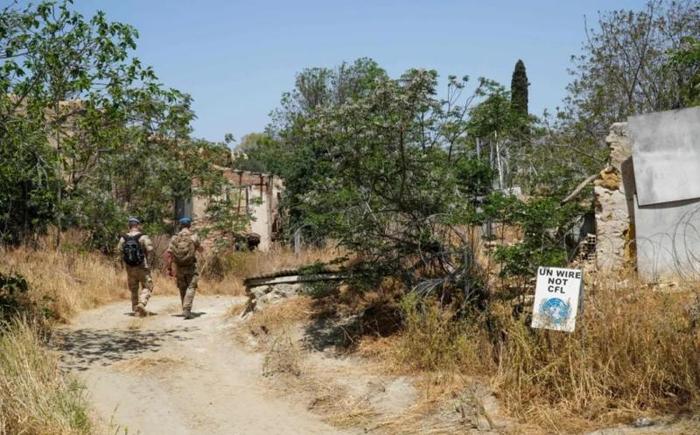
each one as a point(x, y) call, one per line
point(187, 276)
point(136, 275)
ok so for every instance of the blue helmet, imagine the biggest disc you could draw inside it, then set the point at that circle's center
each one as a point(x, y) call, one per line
point(134, 220)
point(185, 221)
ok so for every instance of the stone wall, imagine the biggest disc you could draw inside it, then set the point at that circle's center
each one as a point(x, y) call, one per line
point(613, 229)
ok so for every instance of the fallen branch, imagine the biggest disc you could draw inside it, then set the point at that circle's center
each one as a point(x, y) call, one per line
point(579, 188)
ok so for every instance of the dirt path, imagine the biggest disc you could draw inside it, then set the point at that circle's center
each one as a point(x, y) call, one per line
point(166, 375)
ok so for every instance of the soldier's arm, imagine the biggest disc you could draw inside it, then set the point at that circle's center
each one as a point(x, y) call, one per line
point(120, 245)
point(147, 245)
point(168, 257)
point(197, 243)
point(170, 245)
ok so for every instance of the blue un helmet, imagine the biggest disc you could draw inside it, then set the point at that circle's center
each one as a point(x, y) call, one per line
point(185, 221)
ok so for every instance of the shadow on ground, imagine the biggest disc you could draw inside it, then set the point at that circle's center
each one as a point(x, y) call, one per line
point(83, 348)
point(193, 314)
point(330, 330)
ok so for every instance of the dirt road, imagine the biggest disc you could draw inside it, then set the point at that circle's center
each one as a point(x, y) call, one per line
point(166, 375)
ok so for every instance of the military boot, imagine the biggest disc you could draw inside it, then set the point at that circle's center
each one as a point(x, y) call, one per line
point(140, 310)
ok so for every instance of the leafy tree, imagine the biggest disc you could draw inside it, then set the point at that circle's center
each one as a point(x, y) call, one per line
point(289, 154)
point(118, 143)
point(390, 177)
point(30, 182)
point(623, 68)
point(544, 222)
point(256, 153)
point(688, 56)
point(518, 89)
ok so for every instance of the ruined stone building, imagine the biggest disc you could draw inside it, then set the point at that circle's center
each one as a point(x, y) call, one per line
point(648, 199)
point(258, 194)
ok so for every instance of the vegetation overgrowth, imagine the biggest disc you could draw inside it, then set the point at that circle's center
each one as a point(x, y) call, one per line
point(398, 179)
point(35, 396)
point(40, 287)
point(635, 351)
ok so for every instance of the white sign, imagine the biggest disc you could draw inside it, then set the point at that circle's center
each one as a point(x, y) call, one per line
point(557, 298)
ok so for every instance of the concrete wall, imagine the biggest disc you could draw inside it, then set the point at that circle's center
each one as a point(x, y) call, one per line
point(666, 156)
point(668, 240)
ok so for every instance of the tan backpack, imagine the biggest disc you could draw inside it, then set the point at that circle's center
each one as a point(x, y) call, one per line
point(183, 250)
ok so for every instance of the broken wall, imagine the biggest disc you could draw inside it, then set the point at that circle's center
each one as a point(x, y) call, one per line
point(648, 198)
point(258, 195)
point(614, 232)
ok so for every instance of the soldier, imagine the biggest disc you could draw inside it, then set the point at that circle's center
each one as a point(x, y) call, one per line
point(182, 251)
point(137, 255)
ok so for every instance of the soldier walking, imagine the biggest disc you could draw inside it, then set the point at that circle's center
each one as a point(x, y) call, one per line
point(137, 255)
point(182, 251)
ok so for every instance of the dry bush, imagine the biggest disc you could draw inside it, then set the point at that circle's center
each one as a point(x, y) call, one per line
point(284, 356)
point(432, 340)
point(266, 324)
point(69, 281)
point(35, 397)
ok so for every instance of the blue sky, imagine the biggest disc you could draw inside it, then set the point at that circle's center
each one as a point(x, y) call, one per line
point(236, 58)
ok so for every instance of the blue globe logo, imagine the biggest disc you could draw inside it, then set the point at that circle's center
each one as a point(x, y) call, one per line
point(555, 311)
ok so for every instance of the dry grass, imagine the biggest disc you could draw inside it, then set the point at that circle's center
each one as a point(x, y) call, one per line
point(445, 344)
point(35, 398)
point(635, 352)
point(284, 356)
point(226, 271)
point(69, 282)
point(275, 320)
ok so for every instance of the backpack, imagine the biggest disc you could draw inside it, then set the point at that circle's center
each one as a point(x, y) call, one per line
point(132, 253)
point(183, 250)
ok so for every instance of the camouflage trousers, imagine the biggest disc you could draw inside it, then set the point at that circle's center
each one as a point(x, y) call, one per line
point(187, 278)
point(135, 277)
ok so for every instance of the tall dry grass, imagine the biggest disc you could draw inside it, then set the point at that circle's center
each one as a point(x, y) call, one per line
point(433, 340)
point(67, 282)
point(226, 271)
point(635, 351)
point(70, 281)
point(35, 397)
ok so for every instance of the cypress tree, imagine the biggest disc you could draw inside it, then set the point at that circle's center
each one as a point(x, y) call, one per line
point(518, 89)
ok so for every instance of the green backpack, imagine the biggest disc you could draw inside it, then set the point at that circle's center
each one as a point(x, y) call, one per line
point(183, 250)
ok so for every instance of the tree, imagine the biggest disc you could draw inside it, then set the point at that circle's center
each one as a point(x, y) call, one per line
point(688, 56)
point(518, 90)
point(256, 153)
point(388, 175)
point(98, 123)
point(623, 68)
point(288, 153)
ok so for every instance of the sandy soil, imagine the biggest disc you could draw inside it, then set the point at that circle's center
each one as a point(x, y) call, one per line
point(166, 375)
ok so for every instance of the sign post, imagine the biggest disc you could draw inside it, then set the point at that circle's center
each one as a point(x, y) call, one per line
point(557, 297)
